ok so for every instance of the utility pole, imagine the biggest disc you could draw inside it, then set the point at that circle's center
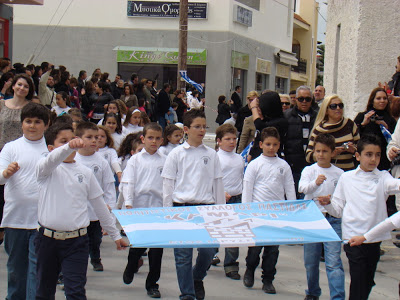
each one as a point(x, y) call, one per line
point(183, 30)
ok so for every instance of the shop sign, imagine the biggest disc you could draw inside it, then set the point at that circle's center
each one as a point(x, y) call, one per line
point(163, 9)
point(160, 57)
point(263, 66)
point(282, 71)
point(242, 15)
point(240, 60)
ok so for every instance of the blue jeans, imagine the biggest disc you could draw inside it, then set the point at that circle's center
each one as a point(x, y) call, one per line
point(333, 263)
point(21, 264)
point(232, 254)
point(186, 273)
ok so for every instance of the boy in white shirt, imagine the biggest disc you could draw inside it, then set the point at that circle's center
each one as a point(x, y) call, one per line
point(65, 188)
point(88, 157)
point(232, 166)
point(18, 161)
point(143, 174)
point(360, 200)
point(317, 180)
point(267, 178)
point(192, 176)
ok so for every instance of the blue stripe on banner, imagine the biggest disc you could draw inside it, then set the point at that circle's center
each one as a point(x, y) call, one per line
point(242, 224)
point(190, 81)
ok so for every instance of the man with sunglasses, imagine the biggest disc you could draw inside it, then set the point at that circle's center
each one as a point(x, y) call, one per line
point(301, 120)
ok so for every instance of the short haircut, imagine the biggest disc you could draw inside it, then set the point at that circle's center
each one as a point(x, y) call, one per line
point(237, 87)
point(81, 73)
point(192, 114)
point(174, 104)
point(52, 132)
point(44, 65)
point(195, 92)
point(304, 88)
point(76, 112)
point(224, 130)
point(326, 139)
point(269, 132)
point(82, 127)
point(166, 85)
point(64, 118)
point(134, 76)
point(221, 99)
point(368, 139)
point(30, 84)
point(292, 92)
point(34, 110)
point(151, 126)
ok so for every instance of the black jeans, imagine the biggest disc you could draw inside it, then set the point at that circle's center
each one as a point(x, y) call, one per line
point(269, 260)
point(363, 260)
point(95, 237)
point(69, 256)
point(155, 259)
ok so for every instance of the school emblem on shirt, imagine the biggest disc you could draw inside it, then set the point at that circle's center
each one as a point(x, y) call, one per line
point(375, 180)
point(160, 169)
point(80, 177)
point(334, 181)
point(96, 169)
point(281, 170)
point(205, 160)
point(106, 156)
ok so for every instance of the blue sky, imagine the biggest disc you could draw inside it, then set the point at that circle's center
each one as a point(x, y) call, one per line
point(321, 22)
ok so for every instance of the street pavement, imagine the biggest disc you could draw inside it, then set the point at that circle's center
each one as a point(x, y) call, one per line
point(290, 281)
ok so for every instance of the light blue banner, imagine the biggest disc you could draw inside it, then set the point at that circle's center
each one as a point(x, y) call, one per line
point(247, 224)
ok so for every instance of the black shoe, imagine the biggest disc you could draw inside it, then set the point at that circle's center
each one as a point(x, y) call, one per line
point(128, 275)
point(233, 275)
point(154, 293)
point(310, 297)
point(248, 278)
point(269, 288)
point(215, 260)
point(199, 289)
point(97, 265)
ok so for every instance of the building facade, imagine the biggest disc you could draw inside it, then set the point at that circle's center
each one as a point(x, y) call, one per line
point(361, 49)
point(243, 42)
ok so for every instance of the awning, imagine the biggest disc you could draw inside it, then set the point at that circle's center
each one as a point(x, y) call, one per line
point(287, 58)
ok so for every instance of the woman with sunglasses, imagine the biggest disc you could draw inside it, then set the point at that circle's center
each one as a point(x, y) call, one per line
point(330, 119)
point(285, 100)
point(374, 117)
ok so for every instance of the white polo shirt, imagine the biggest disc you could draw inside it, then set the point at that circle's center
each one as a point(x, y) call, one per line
point(110, 155)
point(268, 179)
point(64, 192)
point(143, 174)
point(168, 148)
point(311, 190)
point(104, 176)
point(232, 165)
point(130, 129)
point(360, 200)
point(194, 170)
point(118, 138)
point(21, 190)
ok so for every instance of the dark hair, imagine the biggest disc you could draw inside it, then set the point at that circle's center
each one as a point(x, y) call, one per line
point(167, 132)
point(141, 102)
point(89, 87)
point(110, 140)
point(62, 68)
point(368, 139)
point(64, 118)
point(73, 80)
point(270, 105)
point(64, 76)
point(151, 126)
point(133, 76)
point(129, 115)
point(174, 104)
point(192, 114)
point(177, 92)
point(130, 142)
point(117, 118)
point(65, 96)
point(166, 85)
point(195, 92)
point(75, 112)
point(223, 130)
point(52, 132)
point(82, 127)
point(104, 86)
point(221, 99)
point(28, 80)
point(269, 132)
point(34, 110)
point(104, 76)
point(122, 107)
point(116, 104)
point(149, 80)
point(81, 73)
point(237, 87)
point(325, 139)
point(395, 107)
point(144, 118)
point(292, 92)
point(130, 88)
point(370, 104)
point(44, 65)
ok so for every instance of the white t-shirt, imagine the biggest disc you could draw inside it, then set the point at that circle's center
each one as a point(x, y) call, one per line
point(21, 189)
point(123, 161)
point(104, 176)
point(360, 200)
point(110, 155)
point(143, 174)
point(311, 190)
point(268, 179)
point(64, 192)
point(117, 139)
point(60, 110)
point(232, 165)
point(195, 171)
point(168, 148)
point(130, 129)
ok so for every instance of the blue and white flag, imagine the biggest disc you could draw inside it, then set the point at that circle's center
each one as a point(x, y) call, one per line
point(190, 81)
point(243, 224)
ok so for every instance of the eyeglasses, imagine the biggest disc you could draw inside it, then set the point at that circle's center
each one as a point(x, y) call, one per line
point(302, 99)
point(198, 127)
point(336, 105)
point(285, 103)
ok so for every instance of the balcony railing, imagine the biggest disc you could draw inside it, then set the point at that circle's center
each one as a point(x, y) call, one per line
point(301, 66)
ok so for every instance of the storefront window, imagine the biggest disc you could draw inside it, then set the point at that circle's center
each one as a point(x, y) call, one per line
point(261, 82)
point(238, 76)
point(280, 85)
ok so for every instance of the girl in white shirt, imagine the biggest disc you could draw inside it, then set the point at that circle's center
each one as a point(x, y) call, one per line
point(63, 103)
point(115, 108)
point(172, 138)
point(131, 123)
point(112, 121)
point(106, 149)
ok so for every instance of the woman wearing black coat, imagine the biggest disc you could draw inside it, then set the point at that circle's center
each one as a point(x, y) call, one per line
point(224, 111)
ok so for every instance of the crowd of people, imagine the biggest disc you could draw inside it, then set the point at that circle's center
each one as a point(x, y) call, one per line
point(73, 149)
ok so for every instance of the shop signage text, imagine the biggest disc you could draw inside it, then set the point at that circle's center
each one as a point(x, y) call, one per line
point(162, 9)
point(160, 57)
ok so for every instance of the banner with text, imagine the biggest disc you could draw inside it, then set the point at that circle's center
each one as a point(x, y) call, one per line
point(246, 224)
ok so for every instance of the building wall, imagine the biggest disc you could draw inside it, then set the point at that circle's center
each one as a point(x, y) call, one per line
point(368, 48)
